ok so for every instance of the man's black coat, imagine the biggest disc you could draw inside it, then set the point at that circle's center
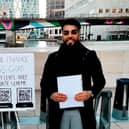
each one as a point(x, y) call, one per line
point(71, 60)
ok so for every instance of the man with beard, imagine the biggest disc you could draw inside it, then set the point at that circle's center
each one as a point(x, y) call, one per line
point(71, 59)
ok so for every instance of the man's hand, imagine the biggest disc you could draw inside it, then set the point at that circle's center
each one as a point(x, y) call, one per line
point(83, 96)
point(58, 97)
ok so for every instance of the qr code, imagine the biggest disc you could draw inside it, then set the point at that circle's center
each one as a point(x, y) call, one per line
point(24, 95)
point(5, 95)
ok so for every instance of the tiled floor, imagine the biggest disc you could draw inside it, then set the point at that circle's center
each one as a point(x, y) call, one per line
point(30, 119)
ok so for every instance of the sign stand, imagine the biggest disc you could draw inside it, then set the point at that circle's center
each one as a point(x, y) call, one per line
point(17, 86)
point(17, 120)
point(9, 120)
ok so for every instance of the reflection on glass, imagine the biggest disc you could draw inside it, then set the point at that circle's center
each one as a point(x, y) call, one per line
point(42, 44)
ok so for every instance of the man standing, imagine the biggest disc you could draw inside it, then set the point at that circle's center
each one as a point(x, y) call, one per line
point(72, 58)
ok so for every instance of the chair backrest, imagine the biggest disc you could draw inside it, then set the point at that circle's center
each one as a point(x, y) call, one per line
point(105, 109)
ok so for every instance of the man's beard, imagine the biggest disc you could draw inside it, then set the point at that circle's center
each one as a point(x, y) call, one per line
point(70, 43)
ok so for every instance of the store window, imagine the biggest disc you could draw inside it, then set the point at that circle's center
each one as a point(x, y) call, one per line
point(56, 31)
point(120, 10)
point(100, 10)
point(114, 10)
point(127, 10)
point(107, 10)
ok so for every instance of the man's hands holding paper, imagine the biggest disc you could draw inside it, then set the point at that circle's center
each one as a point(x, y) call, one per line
point(83, 96)
point(58, 97)
point(61, 97)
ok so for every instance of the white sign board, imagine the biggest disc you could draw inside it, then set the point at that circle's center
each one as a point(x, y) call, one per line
point(17, 85)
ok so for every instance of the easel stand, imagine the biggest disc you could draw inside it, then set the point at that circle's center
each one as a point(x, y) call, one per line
point(9, 120)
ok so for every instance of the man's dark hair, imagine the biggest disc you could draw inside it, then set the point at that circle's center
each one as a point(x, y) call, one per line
point(71, 21)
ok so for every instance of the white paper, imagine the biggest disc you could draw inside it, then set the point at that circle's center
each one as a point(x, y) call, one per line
point(70, 85)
